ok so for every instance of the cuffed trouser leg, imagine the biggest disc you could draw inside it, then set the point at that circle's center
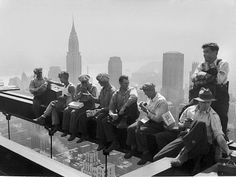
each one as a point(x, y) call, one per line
point(73, 122)
point(55, 117)
point(131, 135)
point(164, 138)
point(170, 150)
point(109, 131)
point(66, 119)
point(100, 133)
point(49, 109)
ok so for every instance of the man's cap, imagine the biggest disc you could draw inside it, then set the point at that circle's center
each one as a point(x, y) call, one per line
point(84, 77)
point(103, 77)
point(63, 73)
point(148, 86)
point(38, 70)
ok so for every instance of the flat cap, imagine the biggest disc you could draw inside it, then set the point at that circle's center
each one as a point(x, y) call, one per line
point(147, 86)
point(103, 77)
point(84, 77)
point(38, 70)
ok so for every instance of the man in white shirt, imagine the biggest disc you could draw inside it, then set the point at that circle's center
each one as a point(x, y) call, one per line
point(149, 122)
point(213, 74)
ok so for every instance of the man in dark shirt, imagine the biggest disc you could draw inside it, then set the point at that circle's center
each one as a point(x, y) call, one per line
point(38, 87)
point(123, 111)
point(102, 112)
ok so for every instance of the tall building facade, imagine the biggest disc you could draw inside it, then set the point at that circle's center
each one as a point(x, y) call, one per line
point(73, 58)
point(115, 70)
point(53, 72)
point(194, 66)
point(173, 76)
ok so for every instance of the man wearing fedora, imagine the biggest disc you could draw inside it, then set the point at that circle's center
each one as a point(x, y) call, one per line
point(213, 74)
point(203, 128)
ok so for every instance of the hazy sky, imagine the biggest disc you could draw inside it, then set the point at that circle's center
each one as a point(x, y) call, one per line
point(35, 32)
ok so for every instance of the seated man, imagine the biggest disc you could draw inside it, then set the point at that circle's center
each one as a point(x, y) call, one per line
point(150, 122)
point(103, 110)
point(37, 87)
point(71, 116)
point(203, 125)
point(59, 104)
point(123, 111)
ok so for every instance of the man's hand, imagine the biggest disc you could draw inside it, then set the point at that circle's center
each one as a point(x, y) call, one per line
point(187, 123)
point(98, 111)
point(143, 108)
point(114, 116)
point(87, 95)
point(122, 111)
point(229, 153)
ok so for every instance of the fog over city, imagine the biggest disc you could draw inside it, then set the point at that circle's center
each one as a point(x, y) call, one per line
point(35, 33)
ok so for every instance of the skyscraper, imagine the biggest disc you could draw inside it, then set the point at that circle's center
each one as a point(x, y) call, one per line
point(53, 72)
point(115, 70)
point(73, 58)
point(173, 76)
point(194, 66)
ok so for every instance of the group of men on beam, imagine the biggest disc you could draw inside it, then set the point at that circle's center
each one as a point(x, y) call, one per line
point(202, 124)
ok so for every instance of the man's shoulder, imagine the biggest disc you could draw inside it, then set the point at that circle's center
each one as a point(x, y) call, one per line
point(113, 89)
point(213, 112)
point(161, 97)
point(131, 88)
point(191, 108)
point(79, 85)
point(93, 86)
point(71, 86)
point(221, 62)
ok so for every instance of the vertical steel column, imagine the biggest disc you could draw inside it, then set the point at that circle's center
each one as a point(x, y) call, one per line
point(51, 145)
point(8, 117)
point(106, 154)
point(106, 165)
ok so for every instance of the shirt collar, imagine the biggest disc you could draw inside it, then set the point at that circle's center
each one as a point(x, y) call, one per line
point(207, 111)
point(155, 98)
point(107, 87)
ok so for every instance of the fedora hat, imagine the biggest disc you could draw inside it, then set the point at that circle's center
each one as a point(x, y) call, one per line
point(205, 95)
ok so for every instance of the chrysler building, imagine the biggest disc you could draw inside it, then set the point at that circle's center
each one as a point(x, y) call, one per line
point(73, 58)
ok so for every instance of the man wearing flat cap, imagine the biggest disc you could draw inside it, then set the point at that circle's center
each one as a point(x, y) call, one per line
point(102, 111)
point(70, 122)
point(150, 122)
point(38, 87)
point(203, 129)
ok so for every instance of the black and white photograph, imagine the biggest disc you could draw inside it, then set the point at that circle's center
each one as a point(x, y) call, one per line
point(117, 88)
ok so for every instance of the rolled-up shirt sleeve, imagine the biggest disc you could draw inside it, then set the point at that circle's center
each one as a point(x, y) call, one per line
point(197, 70)
point(216, 126)
point(32, 88)
point(184, 116)
point(223, 72)
point(112, 105)
point(94, 91)
point(132, 98)
point(162, 108)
